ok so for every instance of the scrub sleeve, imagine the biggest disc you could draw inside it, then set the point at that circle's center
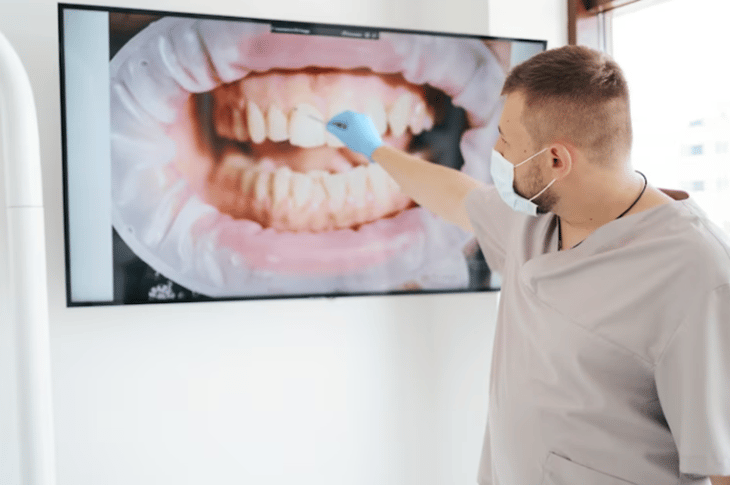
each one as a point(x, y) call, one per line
point(693, 383)
point(493, 222)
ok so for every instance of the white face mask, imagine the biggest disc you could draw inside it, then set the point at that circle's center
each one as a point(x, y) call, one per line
point(503, 174)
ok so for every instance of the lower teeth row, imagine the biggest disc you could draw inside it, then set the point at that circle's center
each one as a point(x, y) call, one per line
point(314, 187)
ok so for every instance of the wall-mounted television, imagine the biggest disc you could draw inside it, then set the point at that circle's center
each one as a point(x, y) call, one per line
point(195, 168)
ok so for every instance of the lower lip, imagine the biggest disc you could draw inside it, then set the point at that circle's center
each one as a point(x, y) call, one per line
point(330, 253)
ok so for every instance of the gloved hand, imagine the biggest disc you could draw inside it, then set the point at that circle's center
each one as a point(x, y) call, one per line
point(357, 131)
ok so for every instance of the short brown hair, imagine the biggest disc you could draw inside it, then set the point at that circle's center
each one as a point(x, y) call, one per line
point(577, 94)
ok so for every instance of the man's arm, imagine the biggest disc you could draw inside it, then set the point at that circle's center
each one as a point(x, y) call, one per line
point(439, 189)
point(718, 480)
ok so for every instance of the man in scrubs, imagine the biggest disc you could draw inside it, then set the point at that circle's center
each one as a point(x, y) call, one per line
point(611, 360)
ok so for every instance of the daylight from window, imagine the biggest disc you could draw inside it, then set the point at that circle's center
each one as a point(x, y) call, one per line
point(673, 53)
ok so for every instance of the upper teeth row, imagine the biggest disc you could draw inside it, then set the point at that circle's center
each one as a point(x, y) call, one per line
point(301, 128)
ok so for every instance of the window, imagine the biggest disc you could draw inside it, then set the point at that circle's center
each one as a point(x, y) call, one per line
point(671, 54)
point(696, 186)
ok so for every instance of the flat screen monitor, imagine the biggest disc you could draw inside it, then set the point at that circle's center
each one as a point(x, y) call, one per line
point(197, 166)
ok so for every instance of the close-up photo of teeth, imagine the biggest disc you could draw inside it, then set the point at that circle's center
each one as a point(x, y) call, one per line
point(226, 181)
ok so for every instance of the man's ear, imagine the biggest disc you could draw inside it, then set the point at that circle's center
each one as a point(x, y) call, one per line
point(562, 159)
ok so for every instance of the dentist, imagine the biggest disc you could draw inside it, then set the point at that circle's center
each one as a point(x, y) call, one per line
point(611, 361)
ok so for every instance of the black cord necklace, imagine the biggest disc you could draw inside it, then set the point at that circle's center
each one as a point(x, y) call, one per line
point(560, 232)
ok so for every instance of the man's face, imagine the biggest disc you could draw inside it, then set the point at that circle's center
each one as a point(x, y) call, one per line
point(516, 145)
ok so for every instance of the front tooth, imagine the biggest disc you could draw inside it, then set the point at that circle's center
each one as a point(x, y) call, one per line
point(305, 131)
point(357, 184)
point(238, 129)
point(317, 174)
point(416, 122)
point(398, 116)
point(282, 180)
point(301, 188)
point(332, 140)
point(318, 194)
point(277, 124)
point(336, 189)
point(379, 182)
point(261, 187)
point(256, 123)
point(376, 110)
point(393, 185)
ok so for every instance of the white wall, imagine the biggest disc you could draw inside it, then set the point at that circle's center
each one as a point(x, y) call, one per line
point(389, 390)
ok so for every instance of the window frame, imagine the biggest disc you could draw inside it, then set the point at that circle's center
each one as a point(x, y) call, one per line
point(589, 21)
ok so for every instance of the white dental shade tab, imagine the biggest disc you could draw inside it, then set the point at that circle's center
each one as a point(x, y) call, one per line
point(337, 124)
point(24, 254)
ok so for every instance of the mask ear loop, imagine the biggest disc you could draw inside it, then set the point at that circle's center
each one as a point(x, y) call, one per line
point(543, 190)
point(527, 160)
point(548, 185)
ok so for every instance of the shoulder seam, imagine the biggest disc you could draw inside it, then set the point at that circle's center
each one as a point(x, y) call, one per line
point(712, 233)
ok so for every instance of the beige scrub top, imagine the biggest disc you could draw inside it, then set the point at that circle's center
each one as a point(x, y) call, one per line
point(611, 361)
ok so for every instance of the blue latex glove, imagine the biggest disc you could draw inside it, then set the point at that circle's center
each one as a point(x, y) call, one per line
point(357, 131)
